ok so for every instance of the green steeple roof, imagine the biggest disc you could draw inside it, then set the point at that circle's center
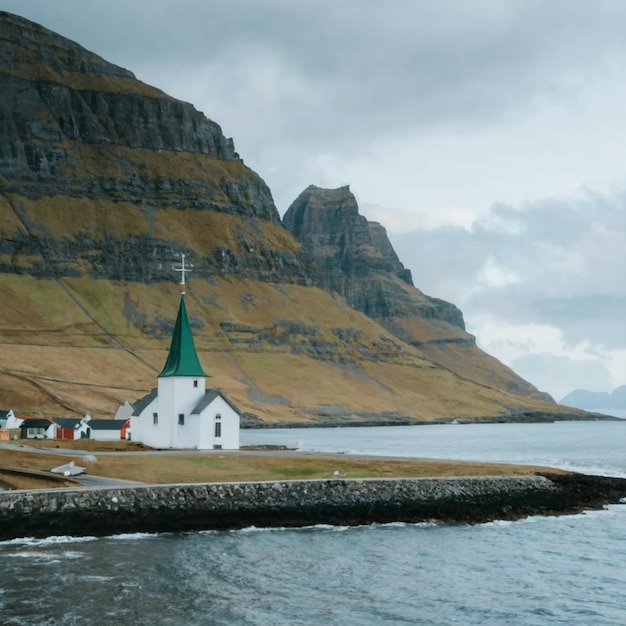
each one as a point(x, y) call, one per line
point(182, 359)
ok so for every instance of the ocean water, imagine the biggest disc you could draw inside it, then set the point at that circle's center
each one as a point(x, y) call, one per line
point(539, 571)
point(589, 447)
point(621, 413)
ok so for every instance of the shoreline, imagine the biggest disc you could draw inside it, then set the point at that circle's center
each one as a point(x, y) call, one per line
point(525, 417)
point(230, 506)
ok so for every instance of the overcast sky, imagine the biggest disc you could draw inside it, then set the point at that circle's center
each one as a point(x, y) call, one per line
point(488, 136)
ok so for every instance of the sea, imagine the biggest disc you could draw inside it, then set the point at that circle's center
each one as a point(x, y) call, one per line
point(568, 570)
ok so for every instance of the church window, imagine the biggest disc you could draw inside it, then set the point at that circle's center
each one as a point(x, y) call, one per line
point(155, 418)
point(181, 419)
point(195, 383)
point(218, 416)
point(218, 429)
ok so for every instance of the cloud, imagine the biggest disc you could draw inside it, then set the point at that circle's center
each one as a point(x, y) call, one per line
point(428, 218)
point(541, 354)
point(562, 375)
point(467, 103)
point(539, 283)
point(487, 136)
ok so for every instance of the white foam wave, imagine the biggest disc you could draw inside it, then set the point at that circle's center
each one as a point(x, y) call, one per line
point(273, 529)
point(132, 536)
point(499, 523)
point(46, 541)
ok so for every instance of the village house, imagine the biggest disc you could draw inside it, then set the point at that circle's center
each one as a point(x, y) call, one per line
point(108, 430)
point(38, 428)
point(6, 415)
point(180, 412)
point(72, 427)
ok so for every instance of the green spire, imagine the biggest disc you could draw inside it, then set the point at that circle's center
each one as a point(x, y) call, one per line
point(182, 359)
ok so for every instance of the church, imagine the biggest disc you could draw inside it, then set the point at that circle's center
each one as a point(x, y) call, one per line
point(181, 412)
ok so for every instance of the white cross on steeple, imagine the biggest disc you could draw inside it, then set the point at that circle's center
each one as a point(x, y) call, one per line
point(183, 270)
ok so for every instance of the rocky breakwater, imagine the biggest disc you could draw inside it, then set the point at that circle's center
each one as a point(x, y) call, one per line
point(298, 503)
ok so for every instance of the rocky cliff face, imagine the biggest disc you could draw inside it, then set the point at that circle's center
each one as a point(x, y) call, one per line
point(328, 224)
point(83, 139)
point(354, 258)
point(91, 101)
point(106, 181)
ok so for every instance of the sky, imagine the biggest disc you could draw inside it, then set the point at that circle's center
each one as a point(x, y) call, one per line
point(487, 136)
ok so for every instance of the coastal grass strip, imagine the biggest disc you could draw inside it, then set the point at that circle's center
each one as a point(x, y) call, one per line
point(253, 466)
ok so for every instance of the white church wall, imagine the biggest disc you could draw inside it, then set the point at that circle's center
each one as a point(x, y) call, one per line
point(229, 426)
point(178, 396)
point(140, 424)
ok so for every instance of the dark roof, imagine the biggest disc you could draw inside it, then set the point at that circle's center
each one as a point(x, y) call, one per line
point(35, 422)
point(106, 424)
point(142, 403)
point(209, 396)
point(4, 413)
point(182, 359)
point(68, 422)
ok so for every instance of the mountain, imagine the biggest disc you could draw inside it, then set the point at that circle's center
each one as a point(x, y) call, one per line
point(354, 258)
point(105, 182)
point(595, 400)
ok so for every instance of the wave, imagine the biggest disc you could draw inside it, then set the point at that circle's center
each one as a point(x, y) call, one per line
point(46, 541)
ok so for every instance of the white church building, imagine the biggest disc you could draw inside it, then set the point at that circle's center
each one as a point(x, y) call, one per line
point(181, 412)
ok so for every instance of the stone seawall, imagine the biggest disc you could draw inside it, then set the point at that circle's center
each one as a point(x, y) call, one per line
point(162, 508)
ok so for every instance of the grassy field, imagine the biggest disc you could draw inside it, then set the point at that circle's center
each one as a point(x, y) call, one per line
point(253, 466)
point(77, 346)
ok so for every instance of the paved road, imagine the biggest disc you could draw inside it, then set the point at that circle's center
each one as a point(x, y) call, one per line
point(78, 453)
point(94, 482)
point(187, 452)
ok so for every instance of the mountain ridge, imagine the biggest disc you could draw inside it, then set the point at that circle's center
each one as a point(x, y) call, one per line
point(105, 182)
point(593, 400)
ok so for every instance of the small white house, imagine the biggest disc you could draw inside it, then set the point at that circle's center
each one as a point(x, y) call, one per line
point(72, 427)
point(108, 430)
point(8, 419)
point(181, 412)
point(38, 428)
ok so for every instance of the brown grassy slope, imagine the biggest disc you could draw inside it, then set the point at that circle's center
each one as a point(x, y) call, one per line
point(62, 216)
point(90, 352)
point(451, 347)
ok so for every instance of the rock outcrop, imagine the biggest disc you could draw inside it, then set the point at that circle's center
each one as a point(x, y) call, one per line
point(354, 258)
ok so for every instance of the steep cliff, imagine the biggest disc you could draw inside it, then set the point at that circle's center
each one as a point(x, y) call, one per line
point(106, 181)
point(355, 259)
point(90, 154)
